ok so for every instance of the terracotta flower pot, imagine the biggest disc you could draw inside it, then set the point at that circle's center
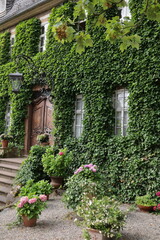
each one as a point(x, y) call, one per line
point(96, 235)
point(56, 182)
point(145, 208)
point(29, 222)
point(4, 143)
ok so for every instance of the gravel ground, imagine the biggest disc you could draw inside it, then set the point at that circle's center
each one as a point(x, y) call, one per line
point(56, 223)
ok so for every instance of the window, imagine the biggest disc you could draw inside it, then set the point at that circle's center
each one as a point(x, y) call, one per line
point(12, 43)
point(42, 44)
point(79, 115)
point(2, 8)
point(125, 12)
point(120, 102)
point(8, 117)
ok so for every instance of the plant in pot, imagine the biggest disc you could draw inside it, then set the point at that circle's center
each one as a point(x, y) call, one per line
point(5, 138)
point(37, 188)
point(145, 203)
point(43, 139)
point(56, 166)
point(102, 218)
point(29, 208)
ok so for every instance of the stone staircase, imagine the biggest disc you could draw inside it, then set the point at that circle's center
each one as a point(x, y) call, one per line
point(8, 170)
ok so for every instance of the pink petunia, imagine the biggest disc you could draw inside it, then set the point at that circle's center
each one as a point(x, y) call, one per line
point(32, 200)
point(158, 194)
point(61, 153)
point(43, 198)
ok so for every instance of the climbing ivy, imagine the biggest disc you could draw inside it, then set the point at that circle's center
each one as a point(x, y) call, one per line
point(5, 47)
point(27, 37)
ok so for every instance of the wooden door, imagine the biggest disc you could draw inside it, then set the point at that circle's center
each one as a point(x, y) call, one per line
point(41, 120)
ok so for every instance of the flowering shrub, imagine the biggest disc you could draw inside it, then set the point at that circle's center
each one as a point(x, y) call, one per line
point(156, 208)
point(91, 167)
point(86, 180)
point(101, 214)
point(56, 165)
point(31, 207)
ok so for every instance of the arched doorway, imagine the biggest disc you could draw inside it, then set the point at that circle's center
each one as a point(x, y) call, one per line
point(40, 118)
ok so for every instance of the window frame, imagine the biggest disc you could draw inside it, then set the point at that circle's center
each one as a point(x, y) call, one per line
point(125, 11)
point(8, 119)
point(3, 9)
point(42, 48)
point(122, 110)
point(78, 112)
point(12, 43)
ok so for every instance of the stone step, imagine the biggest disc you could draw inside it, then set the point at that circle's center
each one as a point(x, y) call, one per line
point(5, 189)
point(3, 199)
point(9, 167)
point(15, 161)
point(5, 181)
point(7, 174)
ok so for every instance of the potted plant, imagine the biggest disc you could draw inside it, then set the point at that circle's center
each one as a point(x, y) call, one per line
point(56, 166)
point(102, 218)
point(5, 138)
point(29, 208)
point(145, 203)
point(43, 139)
point(38, 188)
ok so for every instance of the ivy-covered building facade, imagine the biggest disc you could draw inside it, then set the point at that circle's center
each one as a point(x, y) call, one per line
point(104, 105)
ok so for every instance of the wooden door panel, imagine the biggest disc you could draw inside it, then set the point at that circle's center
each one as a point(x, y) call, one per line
point(37, 121)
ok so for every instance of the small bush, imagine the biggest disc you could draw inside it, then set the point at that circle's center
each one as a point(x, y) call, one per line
point(38, 188)
point(32, 167)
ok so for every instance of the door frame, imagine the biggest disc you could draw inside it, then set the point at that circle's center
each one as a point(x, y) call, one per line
point(28, 119)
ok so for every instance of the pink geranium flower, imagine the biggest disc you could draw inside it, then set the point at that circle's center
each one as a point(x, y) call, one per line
point(43, 198)
point(90, 165)
point(32, 200)
point(80, 169)
point(20, 205)
point(154, 208)
point(24, 200)
point(61, 153)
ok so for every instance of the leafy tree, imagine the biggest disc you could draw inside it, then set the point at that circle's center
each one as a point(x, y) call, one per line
point(116, 29)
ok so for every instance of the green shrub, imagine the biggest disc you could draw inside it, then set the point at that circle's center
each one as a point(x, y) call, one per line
point(38, 188)
point(32, 167)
